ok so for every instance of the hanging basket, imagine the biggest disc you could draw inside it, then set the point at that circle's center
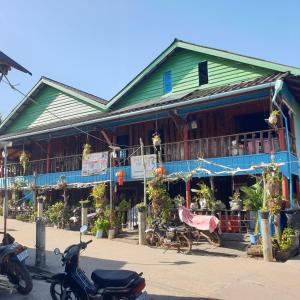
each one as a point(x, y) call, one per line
point(273, 118)
point(86, 151)
point(120, 175)
point(156, 140)
point(24, 160)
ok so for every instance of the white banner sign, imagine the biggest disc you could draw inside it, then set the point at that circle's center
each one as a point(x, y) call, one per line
point(95, 164)
point(137, 170)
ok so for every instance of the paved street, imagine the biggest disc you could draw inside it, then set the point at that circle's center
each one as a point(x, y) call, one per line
point(206, 274)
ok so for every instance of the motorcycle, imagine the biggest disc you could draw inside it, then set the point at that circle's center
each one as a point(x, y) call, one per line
point(12, 257)
point(105, 285)
point(165, 236)
point(198, 226)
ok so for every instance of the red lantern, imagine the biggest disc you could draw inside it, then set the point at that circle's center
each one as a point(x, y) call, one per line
point(160, 171)
point(120, 175)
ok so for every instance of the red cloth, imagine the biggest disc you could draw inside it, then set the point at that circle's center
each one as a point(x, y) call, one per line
point(198, 221)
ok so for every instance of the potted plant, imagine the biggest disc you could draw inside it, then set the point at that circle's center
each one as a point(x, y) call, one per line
point(156, 140)
point(141, 207)
point(236, 202)
point(205, 197)
point(253, 201)
point(287, 245)
point(273, 118)
point(24, 160)
point(98, 193)
point(100, 227)
point(86, 151)
point(161, 202)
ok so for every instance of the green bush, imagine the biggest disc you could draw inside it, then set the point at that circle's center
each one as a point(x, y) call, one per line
point(22, 217)
point(54, 213)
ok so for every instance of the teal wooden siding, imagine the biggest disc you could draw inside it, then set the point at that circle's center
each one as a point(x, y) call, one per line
point(50, 99)
point(184, 67)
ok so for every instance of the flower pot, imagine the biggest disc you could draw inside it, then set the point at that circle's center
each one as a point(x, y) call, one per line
point(111, 234)
point(99, 234)
point(254, 239)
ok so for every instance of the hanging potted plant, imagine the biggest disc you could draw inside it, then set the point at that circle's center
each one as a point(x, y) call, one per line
point(273, 118)
point(24, 160)
point(156, 140)
point(86, 151)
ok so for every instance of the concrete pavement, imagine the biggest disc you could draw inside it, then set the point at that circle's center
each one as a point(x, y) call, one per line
point(206, 274)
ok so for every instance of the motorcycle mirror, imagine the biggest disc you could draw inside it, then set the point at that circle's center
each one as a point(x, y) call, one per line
point(56, 251)
point(83, 229)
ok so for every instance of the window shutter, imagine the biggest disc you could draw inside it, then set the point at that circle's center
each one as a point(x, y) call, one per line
point(167, 78)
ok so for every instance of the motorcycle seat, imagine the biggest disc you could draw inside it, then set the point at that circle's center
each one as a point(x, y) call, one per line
point(112, 278)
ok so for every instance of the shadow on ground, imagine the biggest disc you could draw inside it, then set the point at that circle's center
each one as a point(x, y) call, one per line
point(158, 297)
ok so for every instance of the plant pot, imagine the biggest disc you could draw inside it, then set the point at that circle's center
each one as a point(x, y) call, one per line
point(264, 214)
point(272, 119)
point(235, 205)
point(254, 239)
point(111, 234)
point(99, 234)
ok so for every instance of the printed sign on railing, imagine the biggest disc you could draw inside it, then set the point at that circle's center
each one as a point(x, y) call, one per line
point(137, 170)
point(95, 164)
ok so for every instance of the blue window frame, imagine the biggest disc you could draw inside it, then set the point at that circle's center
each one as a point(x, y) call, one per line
point(167, 82)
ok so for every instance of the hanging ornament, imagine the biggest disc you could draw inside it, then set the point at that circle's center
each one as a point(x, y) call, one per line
point(160, 171)
point(120, 175)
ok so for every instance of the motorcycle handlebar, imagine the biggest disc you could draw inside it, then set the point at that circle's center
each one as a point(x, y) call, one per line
point(88, 242)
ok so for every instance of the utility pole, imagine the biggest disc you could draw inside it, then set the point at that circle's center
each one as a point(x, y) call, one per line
point(4, 145)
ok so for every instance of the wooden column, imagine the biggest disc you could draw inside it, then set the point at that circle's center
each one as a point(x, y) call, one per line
point(48, 156)
point(285, 191)
point(188, 196)
point(298, 189)
point(281, 136)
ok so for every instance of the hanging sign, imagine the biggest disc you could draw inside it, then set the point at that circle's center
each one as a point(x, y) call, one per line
point(94, 164)
point(137, 170)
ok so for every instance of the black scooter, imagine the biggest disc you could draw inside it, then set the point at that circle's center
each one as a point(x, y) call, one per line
point(106, 285)
point(12, 257)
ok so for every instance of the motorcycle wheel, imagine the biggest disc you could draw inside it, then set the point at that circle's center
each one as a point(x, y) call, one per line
point(57, 292)
point(185, 244)
point(19, 275)
point(152, 239)
point(214, 238)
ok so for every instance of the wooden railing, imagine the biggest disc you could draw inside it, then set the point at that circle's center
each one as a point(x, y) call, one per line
point(265, 141)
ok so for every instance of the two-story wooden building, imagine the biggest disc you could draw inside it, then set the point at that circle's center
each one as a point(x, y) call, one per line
point(202, 101)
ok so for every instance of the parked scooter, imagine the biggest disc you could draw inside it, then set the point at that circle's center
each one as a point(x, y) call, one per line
point(169, 237)
point(12, 256)
point(106, 285)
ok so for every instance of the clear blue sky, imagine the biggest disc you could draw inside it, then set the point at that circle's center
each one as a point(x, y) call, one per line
point(98, 46)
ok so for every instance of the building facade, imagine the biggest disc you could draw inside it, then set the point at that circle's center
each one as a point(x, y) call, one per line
point(202, 102)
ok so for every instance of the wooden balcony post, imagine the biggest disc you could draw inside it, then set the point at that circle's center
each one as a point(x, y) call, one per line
point(285, 191)
point(298, 189)
point(48, 156)
point(188, 196)
point(281, 136)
